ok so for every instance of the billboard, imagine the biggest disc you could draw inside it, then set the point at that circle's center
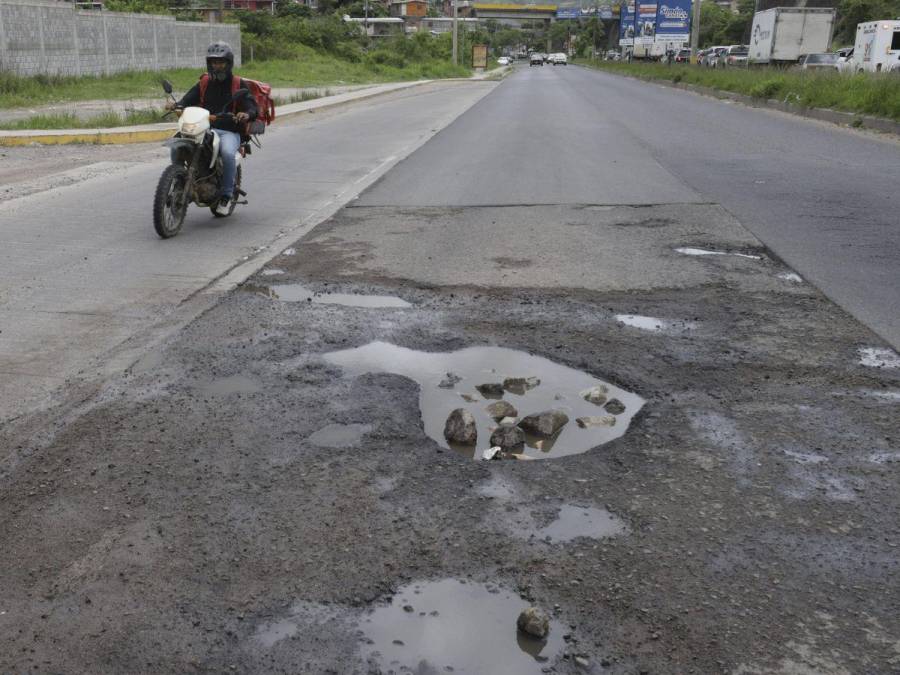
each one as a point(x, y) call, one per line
point(479, 56)
point(673, 21)
point(626, 24)
point(568, 13)
point(646, 23)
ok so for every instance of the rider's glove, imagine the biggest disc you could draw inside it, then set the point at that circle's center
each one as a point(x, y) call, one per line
point(242, 117)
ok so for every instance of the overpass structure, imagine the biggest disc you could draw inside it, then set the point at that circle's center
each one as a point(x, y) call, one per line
point(512, 14)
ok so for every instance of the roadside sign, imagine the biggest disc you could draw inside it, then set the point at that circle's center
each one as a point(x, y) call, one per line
point(673, 21)
point(479, 56)
point(626, 24)
point(568, 13)
point(646, 23)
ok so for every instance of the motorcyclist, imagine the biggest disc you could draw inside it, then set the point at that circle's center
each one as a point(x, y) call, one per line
point(219, 64)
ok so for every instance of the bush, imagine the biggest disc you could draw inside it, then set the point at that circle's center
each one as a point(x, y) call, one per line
point(767, 88)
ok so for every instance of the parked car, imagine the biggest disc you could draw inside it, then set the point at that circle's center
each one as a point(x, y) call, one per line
point(705, 56)
point(537, 59)
point(612, 55)
point(683, 56)
point(503, 61)
point(827, 61)
point(844, 57)
point(559, 59)
point(734, 56)
point(712, 59)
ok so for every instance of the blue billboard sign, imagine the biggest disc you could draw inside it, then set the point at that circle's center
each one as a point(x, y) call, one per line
point(673, 21)
point(626, 24)
point(646, 23)
point(568, 13)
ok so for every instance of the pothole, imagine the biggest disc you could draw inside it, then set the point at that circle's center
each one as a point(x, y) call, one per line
point(877, 357)
point(299, 293)
point(651, 323)
point(232, 384)
point(457, 626)
point(339, 435)
point(475, 378)
point(582, 521)
point(687, 250)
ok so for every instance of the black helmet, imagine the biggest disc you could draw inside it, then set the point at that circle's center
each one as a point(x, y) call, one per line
point(220, 50)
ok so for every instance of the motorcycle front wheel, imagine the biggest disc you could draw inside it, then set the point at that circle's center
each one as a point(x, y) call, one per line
point(170, 201)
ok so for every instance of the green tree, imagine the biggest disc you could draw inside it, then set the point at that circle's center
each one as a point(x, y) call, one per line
point(852, 12)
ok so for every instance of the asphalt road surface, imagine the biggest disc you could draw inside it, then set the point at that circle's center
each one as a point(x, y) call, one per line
point(260, 481)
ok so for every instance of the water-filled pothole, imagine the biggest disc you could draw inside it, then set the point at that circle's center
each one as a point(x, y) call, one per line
point(652, 323)
point(455, 626)
point(451, 380)
point(339, 435)
point(582, 521)
point(299, 293)
point(687, 250)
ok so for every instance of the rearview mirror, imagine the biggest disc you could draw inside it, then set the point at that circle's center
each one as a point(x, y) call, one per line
point(167, 86)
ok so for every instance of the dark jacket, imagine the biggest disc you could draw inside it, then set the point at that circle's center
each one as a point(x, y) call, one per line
point(218, 96)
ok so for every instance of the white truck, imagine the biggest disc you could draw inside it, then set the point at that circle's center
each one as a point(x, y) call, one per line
point(877, 47)
point(782, 35)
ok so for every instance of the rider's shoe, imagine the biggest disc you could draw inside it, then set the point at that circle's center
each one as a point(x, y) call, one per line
point(223, 206)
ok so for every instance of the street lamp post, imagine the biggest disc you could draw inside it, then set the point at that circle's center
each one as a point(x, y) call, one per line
point(455, 34)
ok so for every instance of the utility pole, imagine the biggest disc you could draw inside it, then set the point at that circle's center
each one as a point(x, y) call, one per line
point(695, 29)
point(455, 33)
point(367, 18)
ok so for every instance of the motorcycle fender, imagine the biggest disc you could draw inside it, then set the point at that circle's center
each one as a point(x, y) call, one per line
point(215, 150)
point(176, 142)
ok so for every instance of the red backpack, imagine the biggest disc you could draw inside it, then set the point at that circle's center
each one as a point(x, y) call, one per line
point(261, 93)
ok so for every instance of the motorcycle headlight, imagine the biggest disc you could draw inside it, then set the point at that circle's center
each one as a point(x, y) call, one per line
point(190, 129)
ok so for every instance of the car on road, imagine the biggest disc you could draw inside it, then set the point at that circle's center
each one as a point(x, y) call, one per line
point(844, 56)
point(683, 56)
point(705, 55)
point(559, 59)
point(713, 58)
point(826, 61)
point(537, 59)
point(612, 55)
point(503, 61)
point(734, 56)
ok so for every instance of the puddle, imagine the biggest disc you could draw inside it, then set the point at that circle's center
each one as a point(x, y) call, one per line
point(454, 626)
point(651, 323)
point(791, 276)
point(703, 251)
point(299, 293)
point(271, 633)
point(877, 357)
point(339, 435)
point(582, 521)
point(559, 389)
point(496, 488)
point(233, 384)
point(301, 614)
point(273, 272)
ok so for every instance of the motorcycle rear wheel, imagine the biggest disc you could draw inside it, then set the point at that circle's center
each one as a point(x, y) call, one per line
point(234, 198)
point(170, 201)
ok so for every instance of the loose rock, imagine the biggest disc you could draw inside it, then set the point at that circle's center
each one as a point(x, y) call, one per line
point(596, 421)
point(508, 438)
point(469, 398)
point(461, 428)
point(493, 389)
point(450, 381)
point(510, 420)
point(519, 385)
point(595, 395)
point(500, 409)
point(492, 453)
point(544, 423)
point(534, 621)
point(615, 406)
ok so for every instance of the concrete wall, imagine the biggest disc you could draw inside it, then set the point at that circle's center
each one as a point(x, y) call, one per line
point(53, 38)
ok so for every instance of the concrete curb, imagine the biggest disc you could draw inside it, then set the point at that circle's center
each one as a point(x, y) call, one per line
point(857, 120)
point(159, 132)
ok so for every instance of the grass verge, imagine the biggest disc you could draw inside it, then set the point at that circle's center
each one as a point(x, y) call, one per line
point(103, 121)
point(866, 93)
point(310, 69)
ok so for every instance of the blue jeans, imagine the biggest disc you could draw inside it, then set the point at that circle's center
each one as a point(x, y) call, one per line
point(229, 142)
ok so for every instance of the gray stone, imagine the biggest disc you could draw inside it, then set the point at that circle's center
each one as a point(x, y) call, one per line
point(460, 427)
point(469, 398)
point(508, 438)
point(544, 423)
point(534, 622)
point(492, 389)
point(596, 395)
point(596, 421)
point(500, 409)
point(510, 420)
point(519, 385)
point(450, 381)
point(615, 406)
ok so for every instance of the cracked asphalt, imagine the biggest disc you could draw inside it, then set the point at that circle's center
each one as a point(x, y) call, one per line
point(181, 516)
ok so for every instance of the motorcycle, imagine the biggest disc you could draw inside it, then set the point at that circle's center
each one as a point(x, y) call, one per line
point(195, 174)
